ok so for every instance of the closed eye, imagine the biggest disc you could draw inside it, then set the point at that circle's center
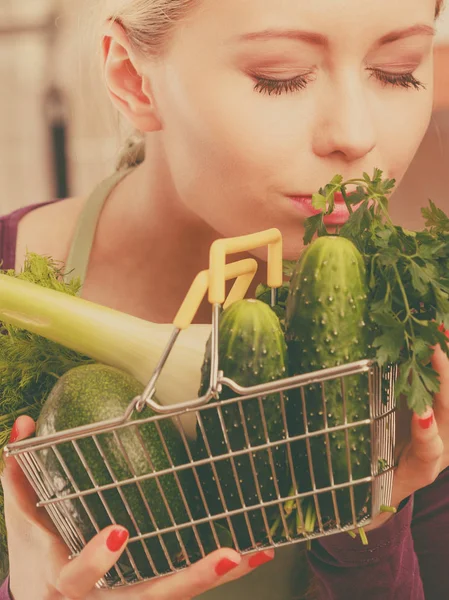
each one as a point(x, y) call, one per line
point(277, 87)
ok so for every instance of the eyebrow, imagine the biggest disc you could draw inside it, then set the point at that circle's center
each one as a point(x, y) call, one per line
point(318, 39)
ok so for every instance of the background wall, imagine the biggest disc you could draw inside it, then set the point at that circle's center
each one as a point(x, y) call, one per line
point(45, 43)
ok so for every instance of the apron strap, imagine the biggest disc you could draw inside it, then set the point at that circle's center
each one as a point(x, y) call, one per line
point(80, 249)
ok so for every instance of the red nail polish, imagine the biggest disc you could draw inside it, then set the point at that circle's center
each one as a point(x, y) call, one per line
point(14, 433)
point(224, 566)
point(427, 421)
point(259, 559)
point(116, 539)
point(444, 330)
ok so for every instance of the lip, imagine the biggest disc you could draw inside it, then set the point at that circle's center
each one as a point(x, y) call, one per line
point(339, 216)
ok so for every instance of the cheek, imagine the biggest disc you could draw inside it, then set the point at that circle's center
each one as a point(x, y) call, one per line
point(403, 129)
point(231, 137)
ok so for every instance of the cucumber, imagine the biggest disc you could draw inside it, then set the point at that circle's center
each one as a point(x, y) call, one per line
point(93, 393)
point(252, 350)
point(326, 326)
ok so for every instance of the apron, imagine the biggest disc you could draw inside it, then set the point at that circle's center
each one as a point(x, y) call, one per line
point(286, 576)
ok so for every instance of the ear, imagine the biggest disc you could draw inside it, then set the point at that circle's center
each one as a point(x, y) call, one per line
point(124, 81)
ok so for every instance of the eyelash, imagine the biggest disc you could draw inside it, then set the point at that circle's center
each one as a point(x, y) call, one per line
point(280, 86)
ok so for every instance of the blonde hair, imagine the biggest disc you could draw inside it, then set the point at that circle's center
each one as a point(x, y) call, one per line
point(150, 24)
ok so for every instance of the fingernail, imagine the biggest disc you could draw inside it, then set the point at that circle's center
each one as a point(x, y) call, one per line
point(444, 330)
point(427, 419)
point(259, 559)
point(224, 566)
point(116, 539)
point(14, 433)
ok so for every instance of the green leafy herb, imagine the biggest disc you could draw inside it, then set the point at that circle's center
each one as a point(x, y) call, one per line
point(409, 291)
point(408, 278)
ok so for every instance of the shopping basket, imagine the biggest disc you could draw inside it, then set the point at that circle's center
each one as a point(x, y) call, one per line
point(156, 551)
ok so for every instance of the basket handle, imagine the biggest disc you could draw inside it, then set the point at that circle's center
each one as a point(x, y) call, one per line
point(244, 270)
point(218, 273)
point(214, 279)
point(220, 248)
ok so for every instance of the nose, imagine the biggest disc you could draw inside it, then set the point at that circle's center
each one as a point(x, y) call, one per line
point(344, 125)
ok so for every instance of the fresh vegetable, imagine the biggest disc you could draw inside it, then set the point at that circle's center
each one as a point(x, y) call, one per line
point(252, 351)
point(93, 393)
point(30, 366)
point(326, 316)
point(408, 280)
point(109, 336)
point(41, 341)
point(408, 302)
point(408, 284)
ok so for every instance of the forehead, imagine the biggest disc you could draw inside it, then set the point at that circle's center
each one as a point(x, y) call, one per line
point(222, 20)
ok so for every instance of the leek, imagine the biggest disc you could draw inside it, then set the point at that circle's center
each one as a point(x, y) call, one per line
point(108, 336)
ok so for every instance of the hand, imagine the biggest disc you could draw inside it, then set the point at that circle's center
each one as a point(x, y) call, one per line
point(39, 565)
point(427, 453)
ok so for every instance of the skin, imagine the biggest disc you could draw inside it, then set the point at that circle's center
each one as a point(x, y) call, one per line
point(221, 160)
point(221, 157)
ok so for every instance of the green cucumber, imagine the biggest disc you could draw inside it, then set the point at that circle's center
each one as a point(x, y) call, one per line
point(93, 393)
point(252, 350)
point(326, 326)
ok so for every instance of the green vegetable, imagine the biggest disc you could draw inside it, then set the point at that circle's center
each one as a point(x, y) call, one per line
point(326, 315)
point(93, 393)
point(30, 365)
point(408, 280)
point(109, 336)
point(252, 351)
point(408, 276)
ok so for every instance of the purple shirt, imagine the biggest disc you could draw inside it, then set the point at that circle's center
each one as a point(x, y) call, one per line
point(8, 233)
point(406, 559)
point(4, 591)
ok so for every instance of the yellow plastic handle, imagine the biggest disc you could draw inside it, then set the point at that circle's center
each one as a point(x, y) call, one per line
point(243, 270)
point(220, 248)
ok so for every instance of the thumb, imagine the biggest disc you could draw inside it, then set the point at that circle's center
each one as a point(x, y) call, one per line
point(23, 427)
point(420, 463)
point(19, 497)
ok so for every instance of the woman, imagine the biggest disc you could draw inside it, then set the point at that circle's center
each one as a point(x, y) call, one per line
point(242, 106)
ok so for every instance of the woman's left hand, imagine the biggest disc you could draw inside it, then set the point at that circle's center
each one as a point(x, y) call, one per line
point(426, 455)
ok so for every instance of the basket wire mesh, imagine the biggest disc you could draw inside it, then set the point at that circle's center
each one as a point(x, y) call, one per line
point(165, 535)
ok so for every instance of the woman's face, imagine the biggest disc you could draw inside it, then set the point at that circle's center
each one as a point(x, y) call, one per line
point(262, 100)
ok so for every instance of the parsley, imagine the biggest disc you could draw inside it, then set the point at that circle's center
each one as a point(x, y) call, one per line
point(408, 280)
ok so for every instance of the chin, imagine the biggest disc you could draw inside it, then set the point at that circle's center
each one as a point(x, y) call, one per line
point(292, 251)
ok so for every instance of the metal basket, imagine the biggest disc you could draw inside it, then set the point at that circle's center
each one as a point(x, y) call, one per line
point(167, 536)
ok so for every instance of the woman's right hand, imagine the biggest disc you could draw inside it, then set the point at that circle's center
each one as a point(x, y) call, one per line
point(426, 455)
point(40, 568)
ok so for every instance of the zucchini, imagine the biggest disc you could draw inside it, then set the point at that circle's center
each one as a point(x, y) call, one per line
point(93, 393)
